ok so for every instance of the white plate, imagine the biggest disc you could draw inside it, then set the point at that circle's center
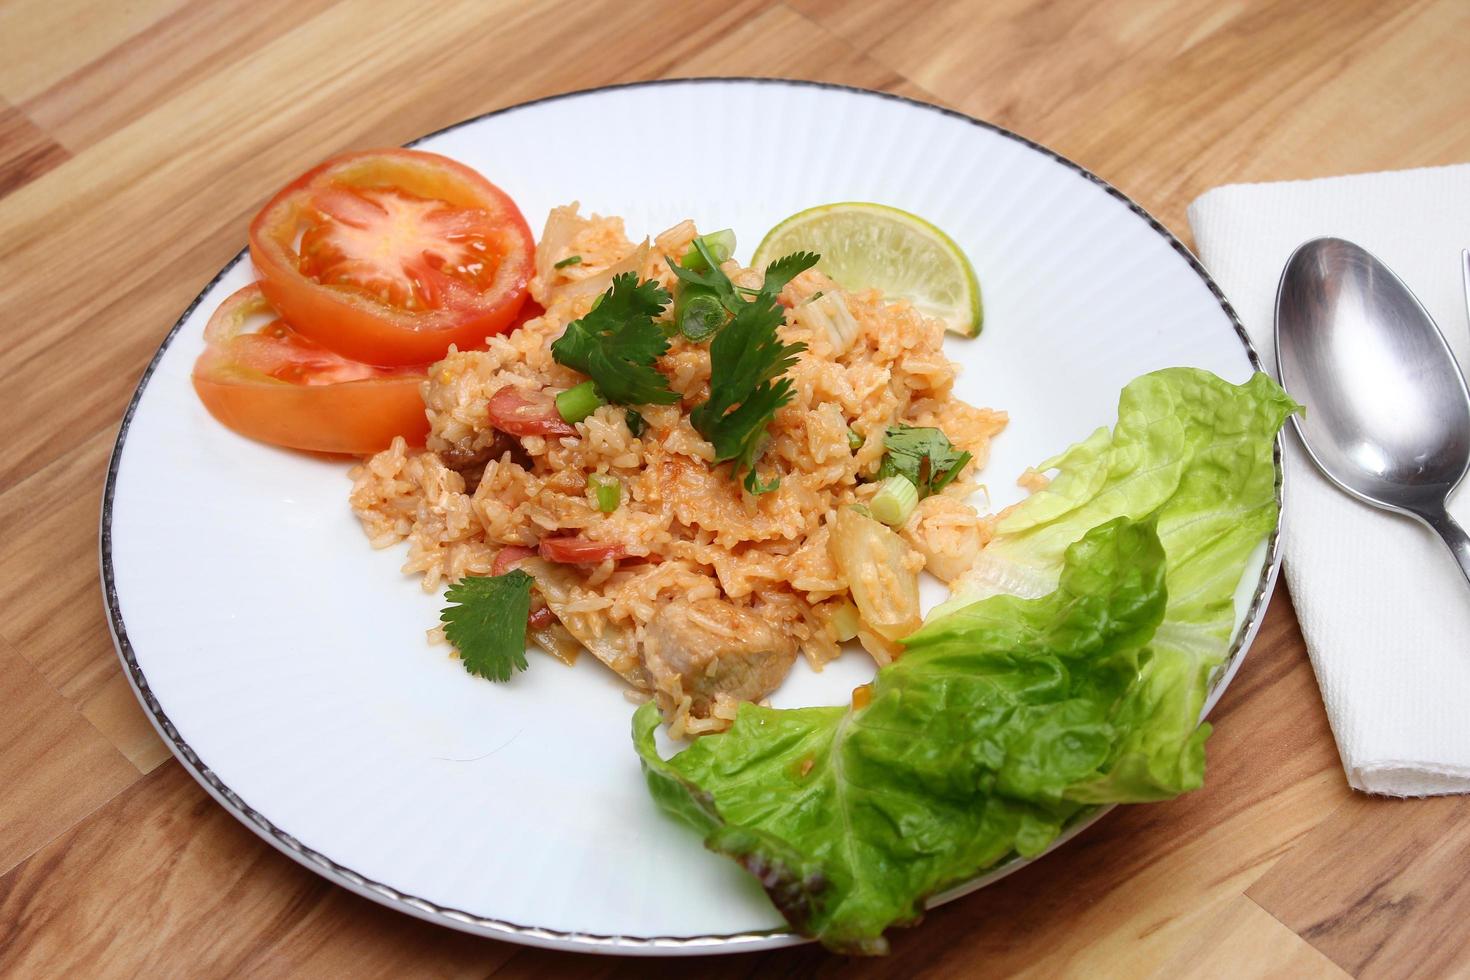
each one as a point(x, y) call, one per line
point(285, 662)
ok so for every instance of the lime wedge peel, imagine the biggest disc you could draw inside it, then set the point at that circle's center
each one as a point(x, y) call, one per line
point(865, 245)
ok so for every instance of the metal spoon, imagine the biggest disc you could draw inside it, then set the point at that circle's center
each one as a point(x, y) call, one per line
point(1465, 272)
point(1388, 414)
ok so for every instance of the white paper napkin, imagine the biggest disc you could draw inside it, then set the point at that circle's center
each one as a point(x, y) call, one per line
point(1384, 609)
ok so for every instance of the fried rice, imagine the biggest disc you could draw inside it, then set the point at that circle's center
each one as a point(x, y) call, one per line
point(696, 548)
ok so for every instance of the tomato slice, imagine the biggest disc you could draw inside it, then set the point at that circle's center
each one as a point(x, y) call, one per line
point(278, 386)
point(389, 256)
point(580, 551)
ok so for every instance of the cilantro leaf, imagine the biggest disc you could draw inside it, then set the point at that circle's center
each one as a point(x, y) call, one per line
point(745, 354)
point(486, 622)
point(746, 358)
point(787, 268)
point(616, 343)
point(924, 455)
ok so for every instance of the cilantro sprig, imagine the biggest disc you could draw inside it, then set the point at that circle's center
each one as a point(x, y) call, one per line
point(486, 623)
point(709, 279)
point(617, 343)
point(746, 390)
point(747, 358)
point(924, 455)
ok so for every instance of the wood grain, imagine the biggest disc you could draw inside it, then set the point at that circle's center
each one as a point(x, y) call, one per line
point(26, 152)
point(187, 43)
point(1399, 908)
point(136, 139)
point(1168, 100)
point(168, 878)
point(55, 767)
point(1244, 941)
point(50, 589)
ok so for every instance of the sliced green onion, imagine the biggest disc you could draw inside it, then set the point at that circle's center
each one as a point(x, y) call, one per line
point(635, 423)
point(721, 244)
point(575, 404)
point(607, 490)
point(569, 260)
point(701, 315)
point(715, 247)
point(897, 497)
point(845, 622)
point(854, 441)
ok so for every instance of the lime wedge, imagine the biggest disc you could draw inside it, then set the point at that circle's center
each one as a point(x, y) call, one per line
point(865, 245)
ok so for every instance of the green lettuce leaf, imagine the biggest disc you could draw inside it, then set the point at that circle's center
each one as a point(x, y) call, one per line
point(1196, 453)
point(965, 753)
point(1188, 445)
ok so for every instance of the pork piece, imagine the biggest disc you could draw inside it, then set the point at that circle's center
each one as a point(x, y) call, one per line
point(712, 646)
point(470, 463)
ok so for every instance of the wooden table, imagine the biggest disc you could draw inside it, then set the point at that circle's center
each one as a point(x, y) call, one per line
point(137, 138)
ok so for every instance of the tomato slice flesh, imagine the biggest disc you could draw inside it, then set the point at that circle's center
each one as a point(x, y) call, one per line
point(405, 251)
point(277, 386)
point(390, 256)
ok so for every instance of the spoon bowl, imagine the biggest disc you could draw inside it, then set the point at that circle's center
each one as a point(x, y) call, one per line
point(1387, 410)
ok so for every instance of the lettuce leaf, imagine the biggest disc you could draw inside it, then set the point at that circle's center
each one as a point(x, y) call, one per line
point(1069, 671)
point(1196, 453)
point(851, 817)
point(1188, 445)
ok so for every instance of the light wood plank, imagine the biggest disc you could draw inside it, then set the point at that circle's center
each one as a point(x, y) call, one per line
point(1168, 100)
point(55, 768)
point(1018, 65)
point(26, 152)
point(50, 590)
point(1243, 942)
point(42, 41)
point(793, 45)
point(113, 710)
point(121, 84)
point(163, 882)
point(1381, 887)
point(55, 411)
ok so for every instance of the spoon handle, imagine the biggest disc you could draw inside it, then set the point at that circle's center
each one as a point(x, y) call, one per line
point(1454, 537)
